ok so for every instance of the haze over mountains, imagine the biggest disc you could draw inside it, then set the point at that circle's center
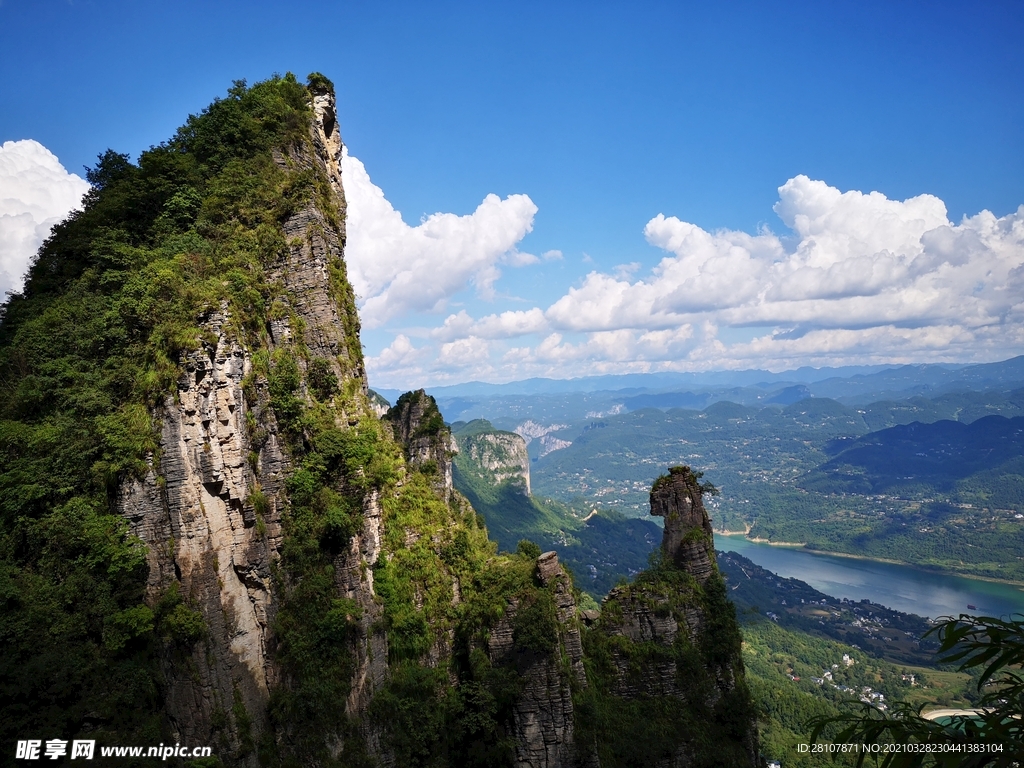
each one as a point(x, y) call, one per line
point(848, 384)
point(850, 402)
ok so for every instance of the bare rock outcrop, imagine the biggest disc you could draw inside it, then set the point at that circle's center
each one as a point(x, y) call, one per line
point(318, 304)
point(195, 512)
point(493, 454)
point(543, 727)
point(420, 429)
point(687, 541)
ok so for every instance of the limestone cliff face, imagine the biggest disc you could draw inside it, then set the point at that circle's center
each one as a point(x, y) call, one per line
point(543, 714)
point(493, 455)
point(210, 508)
point(673, 634)
point(420, 429)
point(688, 540)
point(196, 515)
point(530, 430)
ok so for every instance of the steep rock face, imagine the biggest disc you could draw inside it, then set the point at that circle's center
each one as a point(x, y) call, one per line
point(671, 636)
point(354, 581)
point(201, 528)
point(543, 714)
point(420, 429)
point(493, 454)
point(688, 540)
point(318, 300)
point(642, 616)
point(210, 509)
point(550, 444)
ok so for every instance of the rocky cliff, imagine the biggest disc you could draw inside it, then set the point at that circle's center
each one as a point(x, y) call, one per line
point(667, 670)
point(688, 540)
point(232, 549)
point(210, 511)
point(427, 443)
point(550, 664)
point(493, 455)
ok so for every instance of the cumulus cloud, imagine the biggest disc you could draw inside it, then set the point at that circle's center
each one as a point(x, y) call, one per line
point(859, 261)
point(501, 326)
point(400, 353)
point(402, 364)
point(36, 192)
point(637, 350)
point(396, 269)
point(860, 279)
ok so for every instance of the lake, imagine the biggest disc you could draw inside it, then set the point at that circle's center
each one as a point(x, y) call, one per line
point(901, 587)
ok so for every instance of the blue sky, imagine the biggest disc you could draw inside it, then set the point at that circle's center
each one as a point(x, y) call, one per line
point(605, 116)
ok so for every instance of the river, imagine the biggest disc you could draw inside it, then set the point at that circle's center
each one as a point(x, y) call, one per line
point(902, 587)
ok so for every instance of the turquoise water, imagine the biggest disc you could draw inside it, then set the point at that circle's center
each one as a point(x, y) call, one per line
point(896, 586)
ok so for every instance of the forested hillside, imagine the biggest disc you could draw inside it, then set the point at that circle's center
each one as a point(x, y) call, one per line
point(600, 548)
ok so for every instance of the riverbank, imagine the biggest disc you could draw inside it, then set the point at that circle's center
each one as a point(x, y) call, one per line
point(889, 561)
point(744, 532)
point(758, 540)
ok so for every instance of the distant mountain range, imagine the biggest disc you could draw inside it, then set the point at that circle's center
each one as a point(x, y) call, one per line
point(911, 458)
point(507, 405)
point(922, 464)
point(837, 382)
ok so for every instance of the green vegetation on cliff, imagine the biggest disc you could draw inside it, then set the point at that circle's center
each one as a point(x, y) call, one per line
point(712, 726)
point(943, 495)
point(395, 630)
point(600, 549)
point(89, 349)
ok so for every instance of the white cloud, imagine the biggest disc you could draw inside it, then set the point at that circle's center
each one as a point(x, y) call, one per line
point(399, 353)
point(859, 261)
point(401, 364)
point(862, 279)
point(502, 326)
point(463, 353)
point(398, 269)
point(36, 192)
point(637, 349)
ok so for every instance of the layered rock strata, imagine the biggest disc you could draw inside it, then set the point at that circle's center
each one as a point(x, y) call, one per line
point(420, 429)
point(687, 540)
point(204, 535)
point(494, 454)
point(543, 726)
point(210, 508)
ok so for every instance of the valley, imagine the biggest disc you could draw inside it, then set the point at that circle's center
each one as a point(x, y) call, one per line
point(933, 482)
point(214, 532)
point(809, 654)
